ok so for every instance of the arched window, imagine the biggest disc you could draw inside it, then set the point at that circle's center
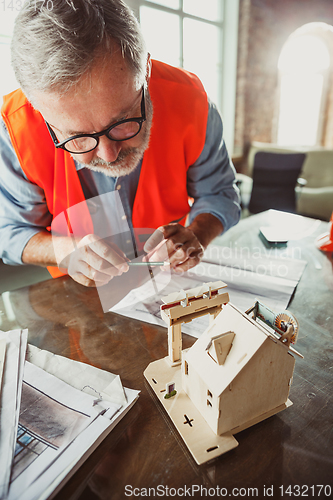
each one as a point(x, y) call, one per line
point(304, 66)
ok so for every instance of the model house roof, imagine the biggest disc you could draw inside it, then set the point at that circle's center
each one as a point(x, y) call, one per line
point(218, 355)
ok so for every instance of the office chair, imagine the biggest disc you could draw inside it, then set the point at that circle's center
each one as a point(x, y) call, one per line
point(275, 177)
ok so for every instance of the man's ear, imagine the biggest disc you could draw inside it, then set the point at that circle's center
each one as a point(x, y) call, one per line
point(148, 68)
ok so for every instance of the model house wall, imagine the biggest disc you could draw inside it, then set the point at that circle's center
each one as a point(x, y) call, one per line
point(254, 378)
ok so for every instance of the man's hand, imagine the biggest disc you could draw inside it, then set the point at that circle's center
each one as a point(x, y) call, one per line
point(89, 261)
point(94, 263)
point(182, 247)
point(178, 246)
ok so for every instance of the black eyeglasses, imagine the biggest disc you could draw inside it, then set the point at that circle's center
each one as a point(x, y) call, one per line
point(119, 131)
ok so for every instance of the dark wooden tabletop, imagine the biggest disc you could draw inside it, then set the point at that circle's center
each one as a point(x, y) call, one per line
point(144, 450)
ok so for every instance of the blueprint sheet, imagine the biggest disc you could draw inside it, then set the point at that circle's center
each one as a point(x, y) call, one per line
point(271, 280)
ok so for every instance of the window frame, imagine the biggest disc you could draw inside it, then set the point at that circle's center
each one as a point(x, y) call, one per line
point(227, 78)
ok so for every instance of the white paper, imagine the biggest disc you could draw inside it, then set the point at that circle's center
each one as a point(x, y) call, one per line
point(74, 455)
point(16, 342)
point(59, 424)
point(270, 279)
point(86, 378)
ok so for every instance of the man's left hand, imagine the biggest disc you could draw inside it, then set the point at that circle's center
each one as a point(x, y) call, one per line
point(182, 247)
point(179, 248)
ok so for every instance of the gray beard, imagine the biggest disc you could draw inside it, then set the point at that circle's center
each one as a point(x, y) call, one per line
point(126, 163)
point(128, 159)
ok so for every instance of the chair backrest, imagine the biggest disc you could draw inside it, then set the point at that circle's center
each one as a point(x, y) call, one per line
point(274, 180)
point(317, 168)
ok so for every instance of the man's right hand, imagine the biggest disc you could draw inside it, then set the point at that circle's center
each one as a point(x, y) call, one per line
point(89, 261)
point(95, 263)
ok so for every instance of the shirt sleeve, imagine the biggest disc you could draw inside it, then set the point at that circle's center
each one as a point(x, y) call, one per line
point(23, 208)
point(211, 179)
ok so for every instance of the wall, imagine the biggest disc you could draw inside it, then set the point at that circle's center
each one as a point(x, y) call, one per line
point(264, 26)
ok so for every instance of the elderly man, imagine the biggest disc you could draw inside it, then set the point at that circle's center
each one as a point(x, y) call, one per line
point(96, 115)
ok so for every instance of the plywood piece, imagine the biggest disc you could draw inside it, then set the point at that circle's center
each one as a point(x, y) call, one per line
point(262, 385)
point(175, 343)
point(213, 311)
point(248, 339)
point(203, 304)
point(199, 438)
point(193, 292)
point(174, 297)
point(262, 417)
point(220, 346)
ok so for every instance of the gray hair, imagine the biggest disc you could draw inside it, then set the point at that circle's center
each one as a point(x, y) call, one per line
point(56, 42)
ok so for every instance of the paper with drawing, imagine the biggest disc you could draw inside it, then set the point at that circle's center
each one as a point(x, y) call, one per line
point(272, 280)
point(47, 433)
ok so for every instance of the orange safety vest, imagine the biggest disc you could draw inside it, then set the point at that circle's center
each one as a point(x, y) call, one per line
point(177, 139)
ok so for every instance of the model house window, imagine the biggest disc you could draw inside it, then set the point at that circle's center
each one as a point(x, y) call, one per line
point(200, 36)
point(303, 77)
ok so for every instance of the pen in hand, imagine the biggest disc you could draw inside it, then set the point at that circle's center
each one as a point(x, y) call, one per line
point(131, 263)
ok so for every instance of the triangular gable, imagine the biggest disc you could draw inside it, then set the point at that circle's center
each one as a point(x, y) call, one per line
point(219, 347)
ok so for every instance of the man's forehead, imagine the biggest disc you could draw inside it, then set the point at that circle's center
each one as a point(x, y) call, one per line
point(122, 111)
point(87, 112)
point(106, 92)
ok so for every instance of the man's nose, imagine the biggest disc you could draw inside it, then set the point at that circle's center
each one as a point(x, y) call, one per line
point(108, 150)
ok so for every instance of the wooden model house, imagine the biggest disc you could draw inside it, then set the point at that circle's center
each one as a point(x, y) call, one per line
point(237, 373)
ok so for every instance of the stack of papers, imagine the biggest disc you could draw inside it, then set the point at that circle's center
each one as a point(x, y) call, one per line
point(13, 350)
point(58, 413)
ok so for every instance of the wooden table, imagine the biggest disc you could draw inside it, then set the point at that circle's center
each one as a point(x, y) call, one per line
point(144, 450)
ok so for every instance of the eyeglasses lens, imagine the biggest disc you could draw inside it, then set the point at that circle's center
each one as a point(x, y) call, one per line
point(121, 132)
point(124, 131)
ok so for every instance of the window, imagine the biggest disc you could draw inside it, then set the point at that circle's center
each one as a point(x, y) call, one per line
point(171, 35)
point(8, 81)
point(303, 74)
point(200, 36)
